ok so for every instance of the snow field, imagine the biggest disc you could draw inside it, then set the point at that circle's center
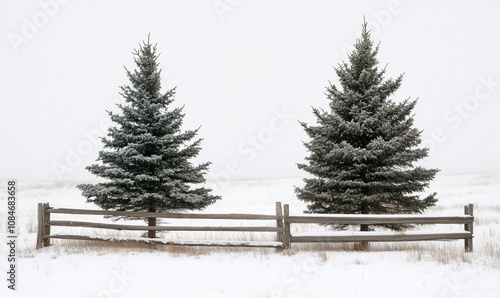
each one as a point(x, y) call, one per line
point(110, 269)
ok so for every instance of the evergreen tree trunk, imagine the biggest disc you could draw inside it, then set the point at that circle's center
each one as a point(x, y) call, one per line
point(152, 223)
point(364, 245)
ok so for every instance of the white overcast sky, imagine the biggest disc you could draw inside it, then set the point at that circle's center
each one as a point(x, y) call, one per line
point(246, 71)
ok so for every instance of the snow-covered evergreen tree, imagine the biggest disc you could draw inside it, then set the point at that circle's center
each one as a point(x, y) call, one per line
point(362, 151)
point(146, 156)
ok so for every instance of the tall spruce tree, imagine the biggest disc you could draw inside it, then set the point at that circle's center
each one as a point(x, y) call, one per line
point(362, 151)
point(146, 156)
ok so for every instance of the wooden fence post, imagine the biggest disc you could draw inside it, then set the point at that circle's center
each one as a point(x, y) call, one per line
point(39, 238)
point(46, 219)
point(43, 227)
point(279, 221)
point(286, 235)
point(469, 227)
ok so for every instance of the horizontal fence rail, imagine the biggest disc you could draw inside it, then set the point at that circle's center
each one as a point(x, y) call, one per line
point(283, 221)
point(380, 219)
point(83, 224)
point(379, 237)
point(368, 236)
point(140, 214)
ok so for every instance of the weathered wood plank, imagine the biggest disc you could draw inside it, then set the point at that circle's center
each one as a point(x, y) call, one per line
point(84, 224)
point(41, 229)
point(381, 238)
point(271, 244)
point(286, 223)
point(46, 227)
point(279, 222)
point(381, 219)
point(469, 210)
point(236, 216)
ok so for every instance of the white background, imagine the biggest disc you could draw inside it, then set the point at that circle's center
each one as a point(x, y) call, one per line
point(237, 65)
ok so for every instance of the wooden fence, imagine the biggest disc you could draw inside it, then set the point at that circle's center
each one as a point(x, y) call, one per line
point(282, 219)
point(45, 223)
point(310, 237)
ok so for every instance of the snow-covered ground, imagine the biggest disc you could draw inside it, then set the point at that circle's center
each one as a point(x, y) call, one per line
point(421, 269)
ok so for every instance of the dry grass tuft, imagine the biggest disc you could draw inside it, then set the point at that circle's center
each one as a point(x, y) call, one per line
point(66, 247)
point(491, 248)
point(358, 262)
point(449, 256)
point(323, 256)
